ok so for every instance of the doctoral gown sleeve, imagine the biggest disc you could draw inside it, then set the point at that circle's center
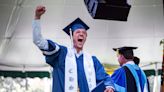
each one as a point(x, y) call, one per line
point(101, 74)
point(119, 78)
point(55, 54)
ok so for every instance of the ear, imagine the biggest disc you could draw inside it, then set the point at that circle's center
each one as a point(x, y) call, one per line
point(122, 56)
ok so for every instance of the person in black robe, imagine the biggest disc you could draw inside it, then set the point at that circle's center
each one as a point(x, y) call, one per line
point(129, 77)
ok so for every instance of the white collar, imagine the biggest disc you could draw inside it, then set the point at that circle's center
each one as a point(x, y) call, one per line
point(77, 54)
point(130, 62)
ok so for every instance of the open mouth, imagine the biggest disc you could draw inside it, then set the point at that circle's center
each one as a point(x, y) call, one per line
point(80, 40)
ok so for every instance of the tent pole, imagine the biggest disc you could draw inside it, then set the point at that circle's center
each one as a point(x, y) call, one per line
point(155, 88)
point(162, 75)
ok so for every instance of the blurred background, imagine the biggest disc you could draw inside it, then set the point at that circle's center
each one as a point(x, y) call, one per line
point(22, 65)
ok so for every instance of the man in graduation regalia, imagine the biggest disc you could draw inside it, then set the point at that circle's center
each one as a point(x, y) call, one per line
point(129, 77)
point(73, 69)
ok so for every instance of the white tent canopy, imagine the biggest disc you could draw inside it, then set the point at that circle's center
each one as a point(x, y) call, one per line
point(144, 29)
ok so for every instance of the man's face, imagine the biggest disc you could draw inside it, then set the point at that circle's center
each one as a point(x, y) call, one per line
point(121, 59)
point(79, 38)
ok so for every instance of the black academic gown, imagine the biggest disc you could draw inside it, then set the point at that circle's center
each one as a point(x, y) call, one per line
point(125, 81)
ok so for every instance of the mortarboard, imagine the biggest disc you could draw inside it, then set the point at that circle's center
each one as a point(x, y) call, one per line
point(76, 24)
point(126, 51)
point(100, 87)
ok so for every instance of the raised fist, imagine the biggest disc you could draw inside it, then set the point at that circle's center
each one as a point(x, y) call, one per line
point(40, 10)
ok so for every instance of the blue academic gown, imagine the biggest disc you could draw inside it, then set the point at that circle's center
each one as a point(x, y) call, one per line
point(125, 80)
point(57, 61)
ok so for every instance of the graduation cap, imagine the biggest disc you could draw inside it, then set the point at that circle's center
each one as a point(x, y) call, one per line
point(126, 51)
point(76, 24)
